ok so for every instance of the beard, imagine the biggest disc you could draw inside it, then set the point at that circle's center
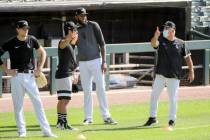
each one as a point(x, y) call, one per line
point(83, 23)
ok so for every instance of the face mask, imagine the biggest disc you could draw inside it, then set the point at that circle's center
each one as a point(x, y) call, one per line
point(165, 33)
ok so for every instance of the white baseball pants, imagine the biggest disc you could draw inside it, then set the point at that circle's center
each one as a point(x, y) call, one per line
point(89, 71)
point(21, 84)
point(172, 85)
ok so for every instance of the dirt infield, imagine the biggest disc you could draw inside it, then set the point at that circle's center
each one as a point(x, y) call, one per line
point(115, 97)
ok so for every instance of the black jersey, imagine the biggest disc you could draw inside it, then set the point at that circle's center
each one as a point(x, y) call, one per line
point(67, 62)
point(20, 52)
point(170, 57)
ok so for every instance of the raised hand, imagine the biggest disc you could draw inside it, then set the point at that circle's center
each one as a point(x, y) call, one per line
point(74, 38)
point(157, 33)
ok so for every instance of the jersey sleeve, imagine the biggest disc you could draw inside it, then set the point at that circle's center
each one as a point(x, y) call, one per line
point(36, 44)
point(99, 35)
point(185, 51)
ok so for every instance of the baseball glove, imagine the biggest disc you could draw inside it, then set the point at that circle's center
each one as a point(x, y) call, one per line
point(41, 81)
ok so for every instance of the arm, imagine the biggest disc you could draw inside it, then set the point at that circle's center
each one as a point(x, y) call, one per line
point(69, 39)
point(8, 71)
point(154, 40)
point(3, 49)
point(74, 40)
point(101, 42)
point(103, 56)
point(75, 77)
point(41, 60)
point(64, 42)
point(190, 67)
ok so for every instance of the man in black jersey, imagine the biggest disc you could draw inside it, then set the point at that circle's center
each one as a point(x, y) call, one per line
point(171, 51)
point(65, 73)
point(20, 49)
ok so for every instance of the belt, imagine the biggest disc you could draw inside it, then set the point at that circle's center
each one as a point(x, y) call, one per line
point(25, 71)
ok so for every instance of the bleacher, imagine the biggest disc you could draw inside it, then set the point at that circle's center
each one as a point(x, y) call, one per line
point(200, 17)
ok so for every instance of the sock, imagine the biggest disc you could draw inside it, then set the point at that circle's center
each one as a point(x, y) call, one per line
point(63, 117)
point(59, 116)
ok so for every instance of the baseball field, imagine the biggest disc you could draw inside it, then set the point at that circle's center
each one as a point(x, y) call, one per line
point(193, 123)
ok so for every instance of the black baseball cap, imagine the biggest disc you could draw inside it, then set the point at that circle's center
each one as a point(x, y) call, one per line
point(22, 24)
point(170, 24)
point(80, 11)
point(70, 26)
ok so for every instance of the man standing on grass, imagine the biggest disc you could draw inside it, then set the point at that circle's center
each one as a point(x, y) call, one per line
point(171, 51)
point(21, 54)
point(92, 65)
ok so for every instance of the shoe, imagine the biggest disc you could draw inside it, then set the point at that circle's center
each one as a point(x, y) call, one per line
point(151, 121)
point(110, 121)
point(60, 126)
point(87, 122)
point(171, 123)
point(51, 135)
point(70, 128)
point(22, 135)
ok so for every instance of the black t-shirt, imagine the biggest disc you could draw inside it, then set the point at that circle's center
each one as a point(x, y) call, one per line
point(170, 57)
point(67, 62)
point(20, 52)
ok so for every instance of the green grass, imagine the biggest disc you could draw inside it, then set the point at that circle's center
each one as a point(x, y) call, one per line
point(193, 123)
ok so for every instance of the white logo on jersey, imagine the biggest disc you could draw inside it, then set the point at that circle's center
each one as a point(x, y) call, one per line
point(16, 47)
point(28, 46)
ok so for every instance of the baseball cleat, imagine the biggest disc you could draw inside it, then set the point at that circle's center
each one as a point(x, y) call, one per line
point(171, 123)
point(22, 135)
point(151, 122)
point(60, 126)
point(70, 128)
point(87, 122)
point(170, 126)
point(110, 121)
point(51, 135)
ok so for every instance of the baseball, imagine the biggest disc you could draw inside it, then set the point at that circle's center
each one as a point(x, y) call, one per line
point(168, 128)
point(81, 137)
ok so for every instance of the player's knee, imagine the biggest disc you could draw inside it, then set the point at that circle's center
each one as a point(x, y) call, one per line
point(66, 101)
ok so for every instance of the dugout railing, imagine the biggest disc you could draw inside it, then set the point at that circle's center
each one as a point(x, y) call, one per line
point(124, 48)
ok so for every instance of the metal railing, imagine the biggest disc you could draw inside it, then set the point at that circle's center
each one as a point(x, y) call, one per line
point(28, 1)
point(146, 47)
point(125, 48)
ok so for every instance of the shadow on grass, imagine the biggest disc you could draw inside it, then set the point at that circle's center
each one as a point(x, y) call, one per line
point(121, 129)
point(13, 128)
point(76, 125)
point(12, 137)
point(8, 137)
